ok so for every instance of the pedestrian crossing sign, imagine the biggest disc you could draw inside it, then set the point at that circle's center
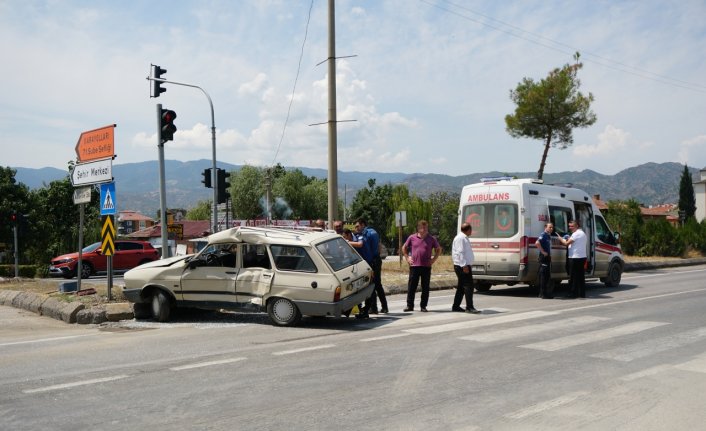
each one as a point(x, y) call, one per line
point(107, 202)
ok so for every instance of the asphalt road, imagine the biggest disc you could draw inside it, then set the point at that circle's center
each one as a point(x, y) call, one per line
point(631, 358)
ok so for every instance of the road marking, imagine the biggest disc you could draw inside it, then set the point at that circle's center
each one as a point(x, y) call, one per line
point(207, 364)
point(645, 373)
point(625, 301)
point(385, 337)
point(422, 318)
point(506, 334)
point(546, 405)
point(652, 346)
point(74, 384)
point(476, 323)
point(592, 336)
point(304, 349)
point(697, 365)
point(45, 340)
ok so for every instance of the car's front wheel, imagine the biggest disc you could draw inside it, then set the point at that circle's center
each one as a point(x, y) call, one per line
point(86, 270)
point(283, 312)
point(161, 307)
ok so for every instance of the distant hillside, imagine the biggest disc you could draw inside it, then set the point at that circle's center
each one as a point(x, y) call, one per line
point(137, 184)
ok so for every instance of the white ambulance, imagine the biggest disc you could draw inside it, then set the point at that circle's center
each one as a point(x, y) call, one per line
point(507, 216)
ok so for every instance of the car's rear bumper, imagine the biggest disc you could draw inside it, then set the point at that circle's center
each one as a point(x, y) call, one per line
point(335, 309)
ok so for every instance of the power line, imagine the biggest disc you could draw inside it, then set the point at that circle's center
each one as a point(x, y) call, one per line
point(296, 79)
point(539, 39)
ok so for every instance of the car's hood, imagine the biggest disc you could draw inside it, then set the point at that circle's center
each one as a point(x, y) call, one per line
point(66, 256)
point(163, 262)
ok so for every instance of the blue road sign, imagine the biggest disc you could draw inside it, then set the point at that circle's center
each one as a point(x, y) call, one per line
point(107, 201)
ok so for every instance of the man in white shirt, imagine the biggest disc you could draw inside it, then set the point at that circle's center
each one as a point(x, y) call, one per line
point(462, 256)
point(577, 259)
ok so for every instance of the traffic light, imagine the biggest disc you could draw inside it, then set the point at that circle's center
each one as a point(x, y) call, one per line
point(207, 178)
point(223, 185)
point(156, 86)
point(13, 218)
point(167, 125)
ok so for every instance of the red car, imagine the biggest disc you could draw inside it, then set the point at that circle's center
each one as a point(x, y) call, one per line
point(128, 254)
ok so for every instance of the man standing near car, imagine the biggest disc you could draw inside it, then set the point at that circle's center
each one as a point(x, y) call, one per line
point(544, 247)
point(577, 259)
point(462, 256)
point(367, 244)
point(417, 251)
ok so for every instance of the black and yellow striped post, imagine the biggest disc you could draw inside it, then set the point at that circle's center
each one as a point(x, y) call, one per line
point(108, 247)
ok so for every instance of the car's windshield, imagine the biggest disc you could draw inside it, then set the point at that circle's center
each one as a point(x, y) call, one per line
point(338, 253)
point(90, 248)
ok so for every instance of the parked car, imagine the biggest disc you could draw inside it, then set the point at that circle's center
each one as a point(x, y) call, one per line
point(128, 254)
point(282, 271)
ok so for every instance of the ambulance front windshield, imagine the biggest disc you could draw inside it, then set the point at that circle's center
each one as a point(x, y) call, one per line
point(492, 220)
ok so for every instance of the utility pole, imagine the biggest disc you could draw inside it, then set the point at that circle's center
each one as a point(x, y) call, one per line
point(332, 129)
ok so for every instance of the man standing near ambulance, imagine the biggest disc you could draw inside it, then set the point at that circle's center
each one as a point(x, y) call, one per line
point(577, 259)
point(462, 256)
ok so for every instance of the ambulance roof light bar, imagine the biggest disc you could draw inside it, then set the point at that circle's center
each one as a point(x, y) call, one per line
point(494, 179)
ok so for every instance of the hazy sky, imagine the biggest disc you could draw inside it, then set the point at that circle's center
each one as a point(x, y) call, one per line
point(428, 87)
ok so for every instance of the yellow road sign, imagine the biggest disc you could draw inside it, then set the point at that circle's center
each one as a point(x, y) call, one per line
point(108, 235)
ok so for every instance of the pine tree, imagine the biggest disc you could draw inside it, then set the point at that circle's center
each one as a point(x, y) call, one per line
point(687, 201)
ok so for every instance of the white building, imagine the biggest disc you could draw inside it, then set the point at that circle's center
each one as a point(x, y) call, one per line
point(700, 195)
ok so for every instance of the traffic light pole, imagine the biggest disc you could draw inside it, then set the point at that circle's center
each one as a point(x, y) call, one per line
point(162, 186)
point(214, 180)
point(17, 253)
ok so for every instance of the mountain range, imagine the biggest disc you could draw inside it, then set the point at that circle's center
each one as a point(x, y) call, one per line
point(137, 184)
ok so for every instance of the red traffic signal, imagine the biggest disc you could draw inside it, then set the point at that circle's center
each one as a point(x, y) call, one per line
point(167, 125)
point(13, 217)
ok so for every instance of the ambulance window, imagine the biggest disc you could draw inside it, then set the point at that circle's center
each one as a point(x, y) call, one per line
point(560, 217)
point(504, 220)
point(475, 215)
point(603, 233)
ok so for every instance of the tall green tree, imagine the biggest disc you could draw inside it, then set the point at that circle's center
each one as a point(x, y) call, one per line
point(626, 218)
point(550, 109)
point(687, 200)
point(202, 211)
point(374, 204)
point(247, 191)
point(444, 209)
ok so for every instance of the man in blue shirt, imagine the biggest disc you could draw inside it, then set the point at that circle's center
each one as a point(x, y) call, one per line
point(367, 244)
point(544, 247)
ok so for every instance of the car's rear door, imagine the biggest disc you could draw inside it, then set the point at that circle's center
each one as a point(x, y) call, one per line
point(255, 274)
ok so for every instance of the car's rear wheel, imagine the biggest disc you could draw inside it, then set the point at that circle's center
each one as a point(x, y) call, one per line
point(283, 312)
point(86, 270)
point(161, 307)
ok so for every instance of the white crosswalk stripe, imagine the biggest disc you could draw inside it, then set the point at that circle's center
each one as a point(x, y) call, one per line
point(652, 346)
point(534, 329)
point(697, 364)
point(480, 322)
point(592, 336)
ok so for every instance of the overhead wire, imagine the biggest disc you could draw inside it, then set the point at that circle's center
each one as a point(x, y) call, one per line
point(558, 46)
point(294, 89)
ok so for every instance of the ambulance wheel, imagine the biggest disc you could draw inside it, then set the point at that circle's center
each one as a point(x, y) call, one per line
point(615, 272)
point(483, 287)
point(283, 312)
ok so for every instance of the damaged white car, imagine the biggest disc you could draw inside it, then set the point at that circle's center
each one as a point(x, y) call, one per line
point(285, 272)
